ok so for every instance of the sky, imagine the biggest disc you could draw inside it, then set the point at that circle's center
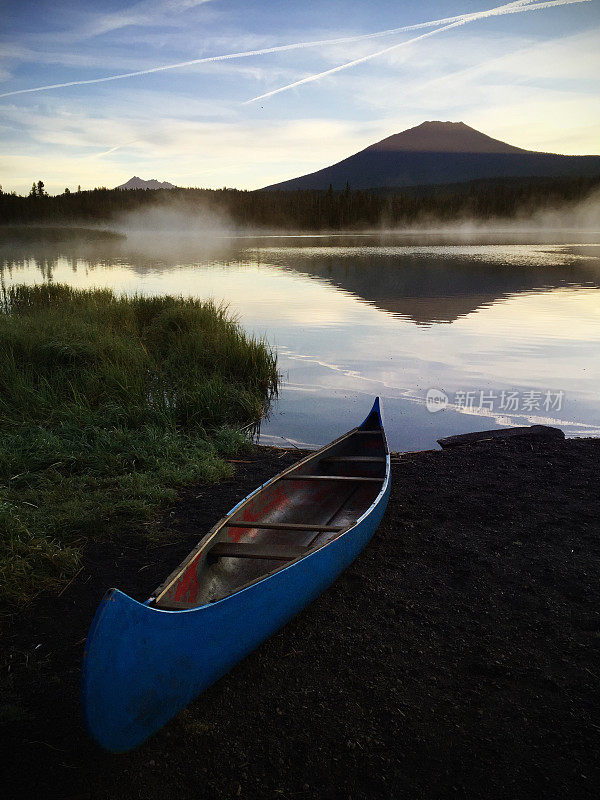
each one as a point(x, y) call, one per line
point(530, 77)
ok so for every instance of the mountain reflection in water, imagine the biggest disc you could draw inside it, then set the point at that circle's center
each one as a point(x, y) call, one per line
point(442, 284)
point(356, 316)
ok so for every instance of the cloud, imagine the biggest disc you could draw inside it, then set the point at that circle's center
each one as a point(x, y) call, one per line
point(572, 57)
point(190, 128)
point(143, 13)
point(518, 7)
point(186, 152)
point(539, 95)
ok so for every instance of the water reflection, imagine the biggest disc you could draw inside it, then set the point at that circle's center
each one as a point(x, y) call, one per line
point(441, 284)
point(353, 318)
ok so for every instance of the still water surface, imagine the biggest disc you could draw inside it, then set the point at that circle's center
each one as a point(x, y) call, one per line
point(498, 333)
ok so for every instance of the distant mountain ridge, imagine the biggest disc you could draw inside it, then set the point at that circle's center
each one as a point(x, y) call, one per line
point(139, 183)
point(436, 153)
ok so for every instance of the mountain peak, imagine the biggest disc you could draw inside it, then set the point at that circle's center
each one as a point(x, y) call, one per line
point(437, 123)
point(139, 183)
point(437, 152)
point(435, 136)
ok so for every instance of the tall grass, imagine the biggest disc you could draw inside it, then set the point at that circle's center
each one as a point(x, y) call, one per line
point(107, 405)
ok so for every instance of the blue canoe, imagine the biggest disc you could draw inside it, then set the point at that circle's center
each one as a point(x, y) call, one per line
point(272, 554)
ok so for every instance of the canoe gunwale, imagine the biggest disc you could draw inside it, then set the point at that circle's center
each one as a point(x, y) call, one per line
point(182, 608)
point(206, 540)
point(163, 588)
point(311, 550)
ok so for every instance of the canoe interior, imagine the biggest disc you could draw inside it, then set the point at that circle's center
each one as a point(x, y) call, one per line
point(301, 514)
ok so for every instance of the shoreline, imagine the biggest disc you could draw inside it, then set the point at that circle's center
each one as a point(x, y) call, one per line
point(457, 656)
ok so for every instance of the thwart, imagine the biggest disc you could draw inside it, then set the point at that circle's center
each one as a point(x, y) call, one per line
point(270, 556)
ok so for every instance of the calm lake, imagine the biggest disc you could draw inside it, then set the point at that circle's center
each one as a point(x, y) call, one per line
point(455, 336)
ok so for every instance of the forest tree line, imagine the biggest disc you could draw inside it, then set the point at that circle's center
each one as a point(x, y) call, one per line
point(348, 209)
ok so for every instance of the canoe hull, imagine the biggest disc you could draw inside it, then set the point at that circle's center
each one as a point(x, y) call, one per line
point(143, 665)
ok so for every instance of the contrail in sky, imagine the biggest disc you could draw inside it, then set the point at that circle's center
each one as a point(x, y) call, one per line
point(112, 149)
point(510, 8)
point(447, 21)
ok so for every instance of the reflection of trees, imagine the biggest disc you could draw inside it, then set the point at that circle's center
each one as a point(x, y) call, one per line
point(45, 266)
point(433, 288)
point(45, 256)
point(153, 254)
point(426, 287)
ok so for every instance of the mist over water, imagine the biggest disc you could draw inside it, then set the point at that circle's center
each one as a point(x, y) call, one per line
point(474, 311)
point(181, 227)
point(576, 221)
point(175, 227)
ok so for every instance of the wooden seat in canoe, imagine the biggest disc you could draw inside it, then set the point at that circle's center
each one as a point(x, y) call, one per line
point(354, 478)
point(282, 526)
point(244, 550)
point(362, 459)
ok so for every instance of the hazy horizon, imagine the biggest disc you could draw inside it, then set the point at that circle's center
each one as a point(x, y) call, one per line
point(212, 93)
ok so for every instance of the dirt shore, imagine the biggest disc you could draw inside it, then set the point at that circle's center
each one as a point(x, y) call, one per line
point(459, 656)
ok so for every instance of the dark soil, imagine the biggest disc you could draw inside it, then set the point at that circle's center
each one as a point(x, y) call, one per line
point(459, 656)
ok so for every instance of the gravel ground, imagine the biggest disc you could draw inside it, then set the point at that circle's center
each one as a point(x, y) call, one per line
point(459, 656)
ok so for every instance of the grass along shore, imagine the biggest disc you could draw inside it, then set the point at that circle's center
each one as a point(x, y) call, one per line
point(107, 405)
